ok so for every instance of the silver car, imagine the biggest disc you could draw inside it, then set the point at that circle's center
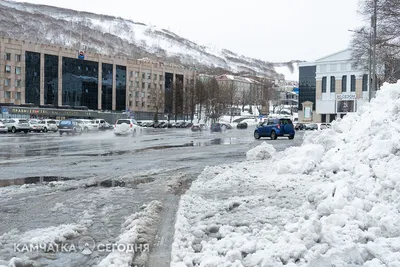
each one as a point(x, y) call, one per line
point(49, 125)
point(17, 125)
point(3, 128)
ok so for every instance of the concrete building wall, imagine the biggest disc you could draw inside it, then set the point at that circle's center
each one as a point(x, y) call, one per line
point(12, 94)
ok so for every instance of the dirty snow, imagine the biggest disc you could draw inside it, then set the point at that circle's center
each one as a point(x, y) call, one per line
point(334, 201)
point(137, 232)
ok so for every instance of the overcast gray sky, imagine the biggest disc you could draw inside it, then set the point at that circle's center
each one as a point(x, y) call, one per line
point(271, 30)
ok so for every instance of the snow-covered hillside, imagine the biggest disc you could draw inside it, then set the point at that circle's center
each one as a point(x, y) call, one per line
point(291, 73)
point(118, 36)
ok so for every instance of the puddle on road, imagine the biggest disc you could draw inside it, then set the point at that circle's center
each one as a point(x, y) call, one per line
point(33, 180)
point(216, 141)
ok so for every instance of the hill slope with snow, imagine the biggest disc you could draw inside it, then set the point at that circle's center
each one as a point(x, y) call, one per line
point(118, 36)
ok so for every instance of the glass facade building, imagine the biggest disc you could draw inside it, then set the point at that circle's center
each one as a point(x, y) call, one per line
point(120, 87)
point(307, 85)
point(51, 80)
point(32, 78)
point(80, 83)
point(106, 88)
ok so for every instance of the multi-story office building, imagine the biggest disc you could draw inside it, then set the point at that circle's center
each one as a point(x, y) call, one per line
point(331, 87)
point(50, 76)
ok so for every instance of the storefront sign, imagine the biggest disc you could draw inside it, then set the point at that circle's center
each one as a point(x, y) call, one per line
point(50, 112)
point(345, 97)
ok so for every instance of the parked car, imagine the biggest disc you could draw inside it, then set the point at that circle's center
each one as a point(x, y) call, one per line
point(3, 127)
point(216, 127)
point(323, 126)
point(226, 126)
point(126, 126)
point(17, 125)
point(196, 128)
point(311, 127)
point(89, 125)
point(275, 127)
point(299, 126)
point(34, 126)
point(69, 127)
point(242, 125)
point(49, 125)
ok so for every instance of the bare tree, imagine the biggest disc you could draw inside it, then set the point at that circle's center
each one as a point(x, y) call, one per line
point(388, 37)
point(157, 101)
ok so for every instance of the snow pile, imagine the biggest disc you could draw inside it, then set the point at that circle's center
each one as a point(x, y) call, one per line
point(137, 232)
point(334, 201)
point(261, 152)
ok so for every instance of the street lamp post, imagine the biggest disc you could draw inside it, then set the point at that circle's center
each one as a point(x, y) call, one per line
point(370, 52)
point(373, 21)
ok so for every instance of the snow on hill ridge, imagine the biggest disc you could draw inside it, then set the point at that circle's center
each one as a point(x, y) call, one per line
point(117, 36)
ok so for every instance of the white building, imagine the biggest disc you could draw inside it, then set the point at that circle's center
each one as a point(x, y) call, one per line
point(339, 88)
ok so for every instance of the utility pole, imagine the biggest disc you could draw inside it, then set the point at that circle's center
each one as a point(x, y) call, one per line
point(374, 19)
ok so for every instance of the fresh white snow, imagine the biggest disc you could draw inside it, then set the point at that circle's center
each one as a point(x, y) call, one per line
point(334, 201)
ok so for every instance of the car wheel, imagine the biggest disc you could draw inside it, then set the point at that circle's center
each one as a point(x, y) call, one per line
point(273, 135)
point(13, 130)
point(61, 133)
point(291, 137)
point(45, 130)
point(26, 131)
point(257, 135)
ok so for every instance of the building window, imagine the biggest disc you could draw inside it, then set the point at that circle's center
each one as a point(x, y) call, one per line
point(161, 77)
point(333, 84)
point(136, 74)
point(149, 85)
point(7, 82)
point(136, 103)
point(18, 83)
point(8, 69)
point(155, 77)
point(130, 103)
point(143, 85)
point(344, 83)
point(17, 58)
point(143, 75)
point(107, 84)
point(137, 84)
point(18, 95)
point(137, 93)
point(353, 83)
point(365, 83)
point(131, 73)
point(7, 94)
point(323, 84)
point(323, 117)
point(120, 87)
point(143, 94)
point(155, 86)
point(18, 70)
point(149, 76)
point(7, 56)
point(143, 103)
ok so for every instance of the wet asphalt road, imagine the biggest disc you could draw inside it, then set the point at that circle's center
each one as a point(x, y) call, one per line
point(98, 180)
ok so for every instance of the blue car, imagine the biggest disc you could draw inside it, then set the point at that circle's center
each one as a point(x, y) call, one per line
point(275, 127)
